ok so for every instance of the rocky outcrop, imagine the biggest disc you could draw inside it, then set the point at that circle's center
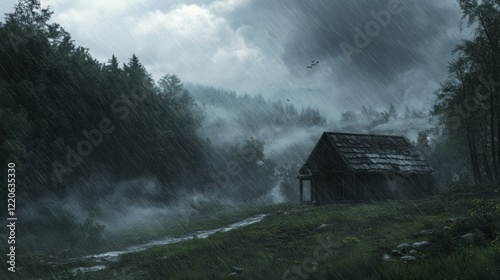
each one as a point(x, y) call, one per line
point(408, 252)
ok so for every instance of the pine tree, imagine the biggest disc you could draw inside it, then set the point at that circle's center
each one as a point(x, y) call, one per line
point(393, 113)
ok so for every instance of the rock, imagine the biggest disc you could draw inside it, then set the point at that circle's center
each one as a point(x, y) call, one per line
point(237, 270)
point(408, 258)
point(403, 248)
point(413, 252)
point(325, 227)
point(469, 235)
point(423, 233)
point(449, 221)
point(421, 246)
point(472, 236)
point(396, 253)
point(453, 220)
point(387, 258)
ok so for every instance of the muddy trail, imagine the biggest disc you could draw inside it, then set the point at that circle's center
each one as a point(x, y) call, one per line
point(100, 261)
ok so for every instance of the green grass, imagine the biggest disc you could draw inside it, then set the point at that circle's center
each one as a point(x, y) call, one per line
point(138, 234)
point(356, 240)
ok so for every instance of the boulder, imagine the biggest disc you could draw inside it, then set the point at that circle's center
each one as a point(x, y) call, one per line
point(396, 253)
point(423, 233)
point(468, 236)
point(237, 270)
point(456, 220)
point(404, 248)
point(325, 227)
point(421, 246)
point(387, 258)
point(408, 258)
point(476, 235)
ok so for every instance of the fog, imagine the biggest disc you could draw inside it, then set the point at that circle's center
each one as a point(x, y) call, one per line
point(125, 205)
point(125, 122)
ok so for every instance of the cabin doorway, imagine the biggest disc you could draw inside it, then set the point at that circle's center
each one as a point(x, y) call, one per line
point(305, 190)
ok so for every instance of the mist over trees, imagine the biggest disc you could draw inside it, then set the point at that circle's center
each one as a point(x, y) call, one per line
point(370, 118)
point(390, 121)
point(253, 113)
point(77, 127)
point(278, 131)
point(65, 117)
point(56, 99)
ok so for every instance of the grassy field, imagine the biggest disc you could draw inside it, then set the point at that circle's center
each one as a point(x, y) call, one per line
point(287, 244)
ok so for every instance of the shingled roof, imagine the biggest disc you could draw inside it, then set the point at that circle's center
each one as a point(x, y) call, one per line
point(377, 153)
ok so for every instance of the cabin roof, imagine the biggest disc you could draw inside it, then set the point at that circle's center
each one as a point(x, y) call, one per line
point(377, 153)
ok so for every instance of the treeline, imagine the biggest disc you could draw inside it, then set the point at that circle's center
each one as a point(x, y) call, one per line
point(254, 112)
point(78, 129)
point(64, 115)
point(468, 102)
point(236, 122)
point(373, 117)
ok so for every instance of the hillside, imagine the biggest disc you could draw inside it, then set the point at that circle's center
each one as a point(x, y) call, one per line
point(341, 241)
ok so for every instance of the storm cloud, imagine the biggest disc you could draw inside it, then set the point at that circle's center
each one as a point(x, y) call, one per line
point(264, 46)
point(400, 49)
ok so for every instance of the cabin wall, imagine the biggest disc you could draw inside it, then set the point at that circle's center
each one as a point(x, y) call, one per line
point(392, 186)
point(334, 187)
point(339, 186)
point(417, 185)
point(362, 187)
point(322, 189)
point(372, 187)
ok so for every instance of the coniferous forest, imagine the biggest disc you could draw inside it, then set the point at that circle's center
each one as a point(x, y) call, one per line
point(99, 145)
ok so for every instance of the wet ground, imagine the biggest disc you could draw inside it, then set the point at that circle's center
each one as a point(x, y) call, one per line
point(99, 261)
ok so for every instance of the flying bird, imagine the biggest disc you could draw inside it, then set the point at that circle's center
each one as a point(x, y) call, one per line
point(313, 64)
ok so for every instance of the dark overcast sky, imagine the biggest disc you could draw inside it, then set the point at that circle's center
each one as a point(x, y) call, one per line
point(264, 46)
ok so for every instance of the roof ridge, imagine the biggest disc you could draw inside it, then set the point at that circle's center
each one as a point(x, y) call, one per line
point(363, 134)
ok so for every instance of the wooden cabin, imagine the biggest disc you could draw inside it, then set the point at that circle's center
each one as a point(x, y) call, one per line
point(358, 167)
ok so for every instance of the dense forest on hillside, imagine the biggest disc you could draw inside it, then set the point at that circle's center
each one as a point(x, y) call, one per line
point(66, 116)
point(255, 113)
point(78, 127)
point(105, 136)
